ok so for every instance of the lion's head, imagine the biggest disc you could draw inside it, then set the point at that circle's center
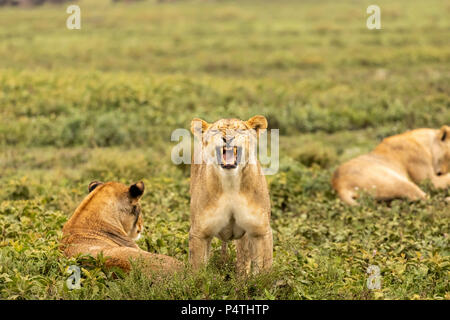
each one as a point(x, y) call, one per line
point(127, 207)
point(228, 144)
point(441, 151)
point(111, 208)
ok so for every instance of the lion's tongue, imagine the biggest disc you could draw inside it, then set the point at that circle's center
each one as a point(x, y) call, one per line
point(228, 157)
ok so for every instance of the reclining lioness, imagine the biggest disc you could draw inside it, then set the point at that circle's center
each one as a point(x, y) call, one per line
point(109, 220)
point(396, 165)
point(229, 194)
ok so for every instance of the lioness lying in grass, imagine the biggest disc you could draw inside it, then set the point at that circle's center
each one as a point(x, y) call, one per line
point(396, 165)
point(108, 221)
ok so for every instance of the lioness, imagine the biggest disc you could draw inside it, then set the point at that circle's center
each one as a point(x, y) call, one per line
point(107, 221)
point(396, 165)
point(229, 196)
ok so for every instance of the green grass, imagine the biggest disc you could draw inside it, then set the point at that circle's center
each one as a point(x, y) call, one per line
point(100, 104)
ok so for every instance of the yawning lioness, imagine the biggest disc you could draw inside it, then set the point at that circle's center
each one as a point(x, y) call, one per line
point(229, 194)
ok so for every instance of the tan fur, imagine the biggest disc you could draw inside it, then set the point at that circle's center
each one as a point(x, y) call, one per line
point(395, 167)
point(231, 204)
point(107, 221)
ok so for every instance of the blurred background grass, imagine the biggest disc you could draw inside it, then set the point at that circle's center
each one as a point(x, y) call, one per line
point(139, 70)
point(101, 103)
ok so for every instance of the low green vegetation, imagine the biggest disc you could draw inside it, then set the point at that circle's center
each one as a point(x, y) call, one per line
point(100, 103)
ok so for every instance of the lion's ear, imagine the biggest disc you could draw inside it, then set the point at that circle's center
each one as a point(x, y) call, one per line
point(137, 190)
point(444, 133)
point(93, 185)
point(257, 123)
point(199, 126)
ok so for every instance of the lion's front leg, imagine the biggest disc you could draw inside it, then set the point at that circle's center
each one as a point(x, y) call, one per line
point(151, 262)
point(198, 250)
point(243, 257)
point(261, 251)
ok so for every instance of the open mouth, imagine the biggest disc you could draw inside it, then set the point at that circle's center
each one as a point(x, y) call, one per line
point(228, 157)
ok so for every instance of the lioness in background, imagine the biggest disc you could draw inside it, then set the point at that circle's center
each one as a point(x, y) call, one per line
point(108, 221)
point(396, 165)
point(229, 196)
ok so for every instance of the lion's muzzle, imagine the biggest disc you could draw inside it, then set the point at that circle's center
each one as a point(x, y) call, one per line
point(228, 157)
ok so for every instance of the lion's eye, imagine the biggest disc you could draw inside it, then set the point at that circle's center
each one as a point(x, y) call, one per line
point(242, 132)
point(135, 210)
point(212, 133)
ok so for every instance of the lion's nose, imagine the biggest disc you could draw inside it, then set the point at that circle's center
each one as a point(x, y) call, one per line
point(227, 140)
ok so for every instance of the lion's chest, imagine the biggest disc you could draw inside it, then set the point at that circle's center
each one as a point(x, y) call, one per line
point(232, 217)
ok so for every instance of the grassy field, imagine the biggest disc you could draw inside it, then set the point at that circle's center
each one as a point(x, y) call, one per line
point(100, 103)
